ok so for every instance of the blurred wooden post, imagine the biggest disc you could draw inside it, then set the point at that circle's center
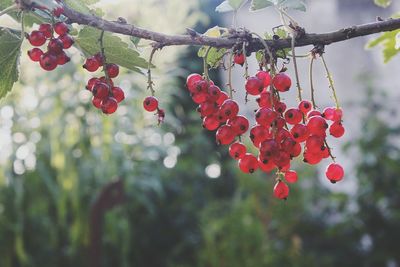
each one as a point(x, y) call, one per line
point(110, 196)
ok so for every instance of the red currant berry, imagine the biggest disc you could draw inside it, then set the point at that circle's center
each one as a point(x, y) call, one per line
point(91, 64)
point(296, 151)
point(332, 114)
point(107, 81)
point(46, 29)
point(150, 103)
point(264, 77)
point(211, 122)
point(101, 90)
point(99, 57)
point(109, 105)
point(61, 28)
point(35, 54)
point(48, 61)
point(268, 148)
point(336, 129)
point(96, 102)
point(58, 11)
point(291, 176)
point(222, 97)
point(55, 45)
point(228, 110)
point(62, 58)
point(91, 83)
point(259, 134)
point(191, 81)
point(293, 116)
point(317, 125)
point(266, 165)
point(237, 150)
point(299, 132)
point(334, 172)
point(281, 159)
point(199, 98)
point(239, 124)
point(254, 86)
point(265, 116)
point(282, 82)
point(312, 158)
point(118, 94)
point(248, 163)
point(280, 107)
point(281, 190)
point(225, 135)
point(37, 38)
point(313, 113)
point(112, 70)
point(315, 144)
point(207, 108)
point(239, 59)
point(305, 106)
point(213, 93)
point(66, 40)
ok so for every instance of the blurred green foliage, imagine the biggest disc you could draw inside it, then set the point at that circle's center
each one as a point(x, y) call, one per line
point(61, 152)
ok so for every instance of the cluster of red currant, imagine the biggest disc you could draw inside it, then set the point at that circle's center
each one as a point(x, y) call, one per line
point(106, 96)
point(279, 132)
point(150, 104)
point(55, 54)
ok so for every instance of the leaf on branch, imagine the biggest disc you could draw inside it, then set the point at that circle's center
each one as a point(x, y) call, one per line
point(284, 4)
point(383, 3)
point(10, 51)
point(50, 4)
point(388, 41)
point(214, 55)
point(116, 50)
point(230, 5)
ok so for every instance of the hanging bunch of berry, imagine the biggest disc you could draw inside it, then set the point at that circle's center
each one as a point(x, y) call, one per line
point(268, 140)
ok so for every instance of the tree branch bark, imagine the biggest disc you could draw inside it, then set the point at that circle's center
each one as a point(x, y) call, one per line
point(196, 39)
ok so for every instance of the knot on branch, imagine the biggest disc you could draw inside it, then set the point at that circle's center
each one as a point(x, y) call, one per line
point(318, 49)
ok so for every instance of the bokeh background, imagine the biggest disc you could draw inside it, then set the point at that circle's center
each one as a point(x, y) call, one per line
point(63, 164)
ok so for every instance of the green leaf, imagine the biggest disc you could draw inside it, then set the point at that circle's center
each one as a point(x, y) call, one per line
point(230, 5)
point(383, 3)
point(292, 4)
point(389, 42)
point(260, 4)
point(50, 4)
point(116, 50)
point(135, 41)
point(5, 3)
point(214, 56)
point(10, 51)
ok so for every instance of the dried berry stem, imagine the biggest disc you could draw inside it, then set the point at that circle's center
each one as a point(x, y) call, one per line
point(330, 80)
point(311, 82)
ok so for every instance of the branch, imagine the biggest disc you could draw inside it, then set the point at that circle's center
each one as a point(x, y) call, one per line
point(196, 39)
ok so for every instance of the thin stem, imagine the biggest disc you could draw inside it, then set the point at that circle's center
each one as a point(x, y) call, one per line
point(22, 25)
point(150, 82)
point(205, 64)
point(292, 20)
point(246, 65)
point(271, 57)
point(330, 79)
point(103, 55)
point(312, 83)
point(296, 70)
point(330, 151)
point(8, 9)
point(231, 90)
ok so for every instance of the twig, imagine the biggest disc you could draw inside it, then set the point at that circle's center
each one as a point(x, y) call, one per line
point(330, 80)
point(312, 83)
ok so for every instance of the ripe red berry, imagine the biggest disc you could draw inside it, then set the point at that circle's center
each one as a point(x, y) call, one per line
point(254, 86)
point(269, 148)
point(150, 103)
point(293, 116)
point(91, 64)
point(48, 61)
point(66, 40)
point(191, 80)
point(248, 163)
point(281, 82)
point(225, 135)
point(112, 70)
point(109, 105)
point(264, 77)
point(313, 113)
point(99, 57)
point(91, 83)
point(46, 29)
point(315, 144)
point(35, 54)
point(317, 125)
point(55, 45)
point(266, 165)
point(280, 107)
point(61, 28)
point(228, 110)
point(239, 124)
point(213, 93)
point(265, 116)
point(239, 59)
point(96, 102)
point(259, 134)
point(305, 106)
point(222, 97)
point(62, 58)
point(299, 132)
point(237, 150)
point(281, 190)
point(336, 129)
point(37, 38)
point(334, 172)
point(211, 122)
point(101, 90)
point(332, 114)
point(58, 11)
point(118, 94)
point(291, 176)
